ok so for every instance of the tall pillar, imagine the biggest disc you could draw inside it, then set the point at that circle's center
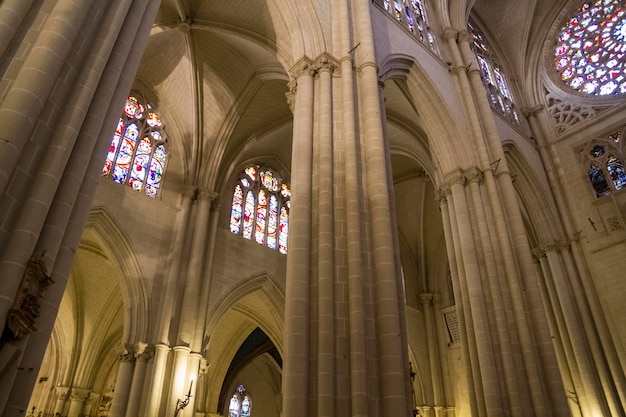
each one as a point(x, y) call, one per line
point(156, 380)
point(123, 384)
point(138, 380)
point(298, 280)
point(428, 300)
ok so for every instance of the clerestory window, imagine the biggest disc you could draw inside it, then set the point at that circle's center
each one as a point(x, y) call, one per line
point(260, 207)
point(412, 15)
point(493, 77)
point(138, 150)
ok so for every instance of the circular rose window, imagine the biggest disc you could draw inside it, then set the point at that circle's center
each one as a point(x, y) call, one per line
point(590, 53)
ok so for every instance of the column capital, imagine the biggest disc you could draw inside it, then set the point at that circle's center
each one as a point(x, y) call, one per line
point(302, 67)
point(79, 394)
point(326, 62)
point(532, 111)
point(464, 37)
point(426, 299)
point(450, 33)
point(62, 393)
point(455, 177)
point(474, 175)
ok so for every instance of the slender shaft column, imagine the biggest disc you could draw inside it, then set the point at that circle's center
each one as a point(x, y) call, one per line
point(464, 316)
point(326, 270)
point(157, 380)
point(564, 351)
point(433, 351)
point(440, 357)
point(138, 380)
point(492, 396)
point(203, 306)
point(195, 271)
point(78, 396)
point(90, 402)
point(393, 356)
point(61, 394)
point(166, 310)
point(359, 404)
point(180, 381)
point(122, 385)
point(297, 293)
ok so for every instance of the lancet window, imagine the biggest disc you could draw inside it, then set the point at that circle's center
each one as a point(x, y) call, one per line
point(590, 49)
point(260, 207)
point(604, 164)
point(412, 15)
point(240, 404)
point(138, 150)
point(493, 77)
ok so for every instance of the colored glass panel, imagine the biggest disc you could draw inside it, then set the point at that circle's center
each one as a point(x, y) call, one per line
point(616, 171)
point(261, 217)
point(138, 165)
point(598, 181)
point(493, 76)
point(248, 216)
point(108, 164)
point(133, 109)
point(125, 155)
point(236, 210)
point(590, 51)
point(272, 222)
point(283, 229)
point(265, 193)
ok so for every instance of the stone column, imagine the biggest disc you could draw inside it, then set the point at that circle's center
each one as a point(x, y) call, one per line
point(64, 211)
point(138, 380)
point(156, 380)
point(89, 403)
point(61, 394)
point(78, 396)
point(298, 280)
point(427, 301)
point(394, 383)
point(123, 384)
point(195, 272)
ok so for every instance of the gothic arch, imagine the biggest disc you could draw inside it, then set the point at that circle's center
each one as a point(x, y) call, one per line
point(536, 202)
point(448, 147)
point(131, 276)
point(255, 302)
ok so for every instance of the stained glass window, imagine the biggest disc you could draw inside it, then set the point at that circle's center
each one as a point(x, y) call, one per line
point(138, 150)
point(493, 77)
point(590, 50)
point(263, 215)
point(412, 14)
point(604, 164)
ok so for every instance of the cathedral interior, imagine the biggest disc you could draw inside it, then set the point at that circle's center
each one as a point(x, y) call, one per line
point(312, 208)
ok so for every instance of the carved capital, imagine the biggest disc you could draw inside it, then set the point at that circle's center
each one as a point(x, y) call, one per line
point(301, 67)
point(450, 33)
point(455, 177)
point(62, 393)
point(426, 299)
point(326, 62)
point(474, 175)
point(532, 111)
point(79, 394)
point(464, 37)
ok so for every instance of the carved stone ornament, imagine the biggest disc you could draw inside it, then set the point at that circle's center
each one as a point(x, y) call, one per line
point(26, 308)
